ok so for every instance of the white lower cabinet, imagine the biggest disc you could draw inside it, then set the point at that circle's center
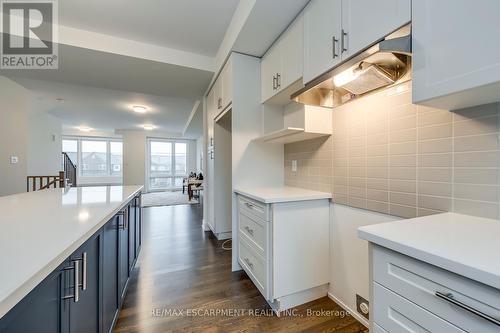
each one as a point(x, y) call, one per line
point(284, 251)
point(412, 296)
point(397, 314)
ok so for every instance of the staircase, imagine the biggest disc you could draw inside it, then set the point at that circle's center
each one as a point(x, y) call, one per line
point(65, 178)
point(69, 170)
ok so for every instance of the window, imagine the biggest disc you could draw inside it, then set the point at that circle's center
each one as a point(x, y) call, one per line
point(97, 157)
point(116, 149)
point(167, 164)
point(94, 158)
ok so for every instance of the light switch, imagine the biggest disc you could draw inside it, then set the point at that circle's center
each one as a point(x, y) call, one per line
point(294, 166)
point(14, 159)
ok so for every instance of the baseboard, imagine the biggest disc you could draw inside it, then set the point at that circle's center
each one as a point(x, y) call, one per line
point(224, 235)
point(284, 303)
point(353, 313)
point(204, 225)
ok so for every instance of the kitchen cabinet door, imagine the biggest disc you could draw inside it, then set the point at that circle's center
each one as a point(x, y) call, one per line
point(227, 84)
point(138, 226)
point(270, 68)
point(364, 22)
point(210, 174)
point(43, 310)
point(292, 54)
point(456, 48)
point(217, 88)
point(110, 304)
point(211, 111)
point(322, 33)
point(123, 257)
point(85, 314)
point(131, 235)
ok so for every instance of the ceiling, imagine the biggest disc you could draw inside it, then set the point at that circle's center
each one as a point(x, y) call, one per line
point(103, 109)
point(100, 79)
point(113, 71)
point(268, 19)
point(194, 128)
point(196, 26)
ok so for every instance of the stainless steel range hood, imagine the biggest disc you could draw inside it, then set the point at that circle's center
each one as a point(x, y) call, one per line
point(383, 64)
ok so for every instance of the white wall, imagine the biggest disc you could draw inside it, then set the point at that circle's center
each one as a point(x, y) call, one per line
point(44, 144)
point(14, 107)
point(349, 254)
point(191, 158)
point(199, 155)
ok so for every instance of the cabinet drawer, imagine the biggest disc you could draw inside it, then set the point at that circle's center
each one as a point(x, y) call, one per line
point(255, 230)
point(419, 282)
point(254, 265)
point(254, 208)
point(397, 315)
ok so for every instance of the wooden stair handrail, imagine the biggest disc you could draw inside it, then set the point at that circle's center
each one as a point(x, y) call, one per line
point(50, 181)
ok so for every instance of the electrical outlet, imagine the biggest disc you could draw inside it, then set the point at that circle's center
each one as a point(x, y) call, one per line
point(363, 306)
point(294, 166)
point(14, 160)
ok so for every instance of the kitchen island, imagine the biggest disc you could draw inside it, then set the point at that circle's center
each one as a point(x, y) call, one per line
point(66, 256)
point(440, 273)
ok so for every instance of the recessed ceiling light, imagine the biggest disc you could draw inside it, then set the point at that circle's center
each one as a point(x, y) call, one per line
point(148, 127)
point(84, 129)
point(139, 109)
point(60, 100)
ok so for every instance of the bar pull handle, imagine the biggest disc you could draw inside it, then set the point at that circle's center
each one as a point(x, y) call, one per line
point(343, 41)
point(248, 262)
point(84, 271)
point(274, 82)
point(450, 299)
point(249, 205)
point(76, 278)
point(278, 80)
point(334, 47)
point(124, 216)
point(249, 230)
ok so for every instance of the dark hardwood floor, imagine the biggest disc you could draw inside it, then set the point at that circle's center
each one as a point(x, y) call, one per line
point(181, 269)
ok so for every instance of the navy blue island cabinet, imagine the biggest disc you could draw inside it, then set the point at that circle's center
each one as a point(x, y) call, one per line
point(84, 294)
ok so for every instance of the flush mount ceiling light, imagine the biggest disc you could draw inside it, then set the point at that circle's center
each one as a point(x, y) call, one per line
point(148, 127)
point(84, 129)
point(139, 109)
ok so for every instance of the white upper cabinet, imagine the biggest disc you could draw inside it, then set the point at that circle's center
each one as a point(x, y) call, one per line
point(335, 30)
point(283, 64)
point(222, 91)
point(227, 85)
point(365, 22)
point(322, 33)
point(270, 68)
point(292, 54)
point(456, 49)
point(211, 112)
point(217, 89)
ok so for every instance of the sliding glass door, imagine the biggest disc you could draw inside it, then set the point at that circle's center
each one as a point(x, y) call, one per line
point(167, 164)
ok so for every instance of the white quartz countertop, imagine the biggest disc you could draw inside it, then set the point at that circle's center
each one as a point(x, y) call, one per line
point(39, 230)
point(466, 245)
point(281, 194)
